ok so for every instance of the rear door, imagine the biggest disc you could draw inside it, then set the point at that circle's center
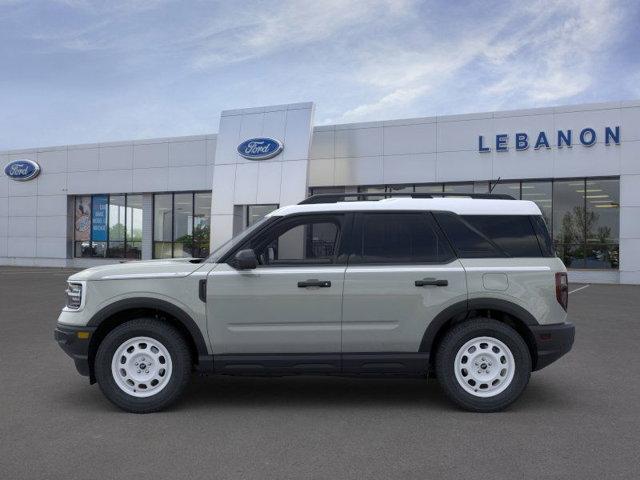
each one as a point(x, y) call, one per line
point(401, 274)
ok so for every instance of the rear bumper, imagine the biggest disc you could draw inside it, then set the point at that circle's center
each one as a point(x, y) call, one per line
point(552, 342)
point(74, 345)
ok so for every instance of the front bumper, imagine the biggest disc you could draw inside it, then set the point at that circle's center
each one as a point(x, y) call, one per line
point(552, 342)
point(75, 343)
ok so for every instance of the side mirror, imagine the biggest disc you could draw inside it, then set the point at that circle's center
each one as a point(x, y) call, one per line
point(245, 260)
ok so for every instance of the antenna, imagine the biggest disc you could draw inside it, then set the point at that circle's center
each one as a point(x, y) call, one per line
point(494, 185)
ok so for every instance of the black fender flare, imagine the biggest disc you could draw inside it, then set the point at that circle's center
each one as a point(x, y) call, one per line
point(155, 304)
point(462, 308)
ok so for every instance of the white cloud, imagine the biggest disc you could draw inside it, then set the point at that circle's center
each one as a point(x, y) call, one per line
point(543, 52)
point(158, 68)
point(555, 63)
point(254, 33)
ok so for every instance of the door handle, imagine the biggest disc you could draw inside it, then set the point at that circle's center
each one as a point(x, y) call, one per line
point(314, 283)
point(202, 290)
point(431, 281)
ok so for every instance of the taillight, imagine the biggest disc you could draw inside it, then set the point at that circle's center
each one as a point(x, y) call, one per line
point(562, 289)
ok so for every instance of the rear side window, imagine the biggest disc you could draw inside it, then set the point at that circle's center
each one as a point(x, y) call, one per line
point(400, 238)
point(544, 239)
point(513, 234)
point(468, 241)
point(475, 236)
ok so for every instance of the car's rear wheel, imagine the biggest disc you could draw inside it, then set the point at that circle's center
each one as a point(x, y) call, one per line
point(483, 365)
point(143, 365)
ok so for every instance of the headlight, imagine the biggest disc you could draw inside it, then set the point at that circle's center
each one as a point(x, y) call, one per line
point(74, 295)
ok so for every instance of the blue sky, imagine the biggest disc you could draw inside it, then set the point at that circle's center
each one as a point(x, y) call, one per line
point(80, 71)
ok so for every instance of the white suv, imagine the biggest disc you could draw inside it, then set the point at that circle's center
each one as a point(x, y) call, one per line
point(468, 289)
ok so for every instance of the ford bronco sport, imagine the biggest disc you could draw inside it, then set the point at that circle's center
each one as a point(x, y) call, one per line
point(467, 289)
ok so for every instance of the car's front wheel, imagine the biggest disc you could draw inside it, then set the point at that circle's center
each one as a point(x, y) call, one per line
point(143, 365)
point(483, 365)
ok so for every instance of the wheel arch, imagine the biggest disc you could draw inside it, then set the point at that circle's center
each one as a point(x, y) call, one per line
point(504, 311)
point(121, 311)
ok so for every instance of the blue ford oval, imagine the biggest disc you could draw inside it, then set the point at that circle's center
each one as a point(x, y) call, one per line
point(22, 170)
point(260, 148)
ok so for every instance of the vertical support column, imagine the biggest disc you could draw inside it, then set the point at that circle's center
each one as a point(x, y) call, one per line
point(147, 226)
point(71, 213)
point(238, 181)
point(629, 229)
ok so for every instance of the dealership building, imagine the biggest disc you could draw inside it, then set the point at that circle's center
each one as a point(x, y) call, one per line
point(83, 205)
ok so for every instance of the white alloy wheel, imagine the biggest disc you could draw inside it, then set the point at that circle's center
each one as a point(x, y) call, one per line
point(484, 367)
point(141, 367)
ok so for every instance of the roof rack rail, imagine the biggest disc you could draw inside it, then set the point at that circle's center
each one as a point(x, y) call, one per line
point(359, 197)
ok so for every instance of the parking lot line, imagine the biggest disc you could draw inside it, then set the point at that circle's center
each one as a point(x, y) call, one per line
point(578, 289)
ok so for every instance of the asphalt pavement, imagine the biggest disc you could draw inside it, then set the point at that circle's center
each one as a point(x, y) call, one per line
point(579, 418)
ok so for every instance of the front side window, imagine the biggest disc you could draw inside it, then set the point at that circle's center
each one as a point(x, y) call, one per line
point(400, 238)
point(305, 240)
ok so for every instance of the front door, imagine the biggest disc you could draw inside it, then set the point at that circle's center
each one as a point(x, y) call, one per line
point(291, 303)
point(401, 274)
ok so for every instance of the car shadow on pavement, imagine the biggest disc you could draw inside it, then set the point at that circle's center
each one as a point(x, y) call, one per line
point(226, 392)
point(305, 391)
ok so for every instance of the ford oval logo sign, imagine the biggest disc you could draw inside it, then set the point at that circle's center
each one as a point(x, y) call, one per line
point(22, 170)
point(260, 148)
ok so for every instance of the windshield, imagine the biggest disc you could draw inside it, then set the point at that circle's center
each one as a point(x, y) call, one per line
point(219, 252)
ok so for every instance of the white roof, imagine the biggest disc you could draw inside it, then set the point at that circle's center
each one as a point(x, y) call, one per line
point(459, 205)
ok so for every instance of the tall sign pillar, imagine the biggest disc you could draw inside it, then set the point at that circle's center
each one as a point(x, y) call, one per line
point(262, 157)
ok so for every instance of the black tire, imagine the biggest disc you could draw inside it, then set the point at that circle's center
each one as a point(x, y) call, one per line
point(177, 348)
point(456, 338)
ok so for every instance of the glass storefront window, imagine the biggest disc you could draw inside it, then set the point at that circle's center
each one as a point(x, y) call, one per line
point(586, 222)
point(506, 188)
point(603, 209)
point(568, 212)
point(82, 226)
point(182, 224)
point(106, 226)
point(541, 193)
point(373, 189)
point(162, 225)
point(201, 224)
point(400, 188)
point(319, 190)
point(435, 188)
point(480, 187)
point(256, 212)
point(603, 223)
point(458, 187)
point(116, 226)
point(134, 226)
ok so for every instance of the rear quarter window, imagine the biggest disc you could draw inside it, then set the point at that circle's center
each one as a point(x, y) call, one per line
point(514, 234)
point(487, 236)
